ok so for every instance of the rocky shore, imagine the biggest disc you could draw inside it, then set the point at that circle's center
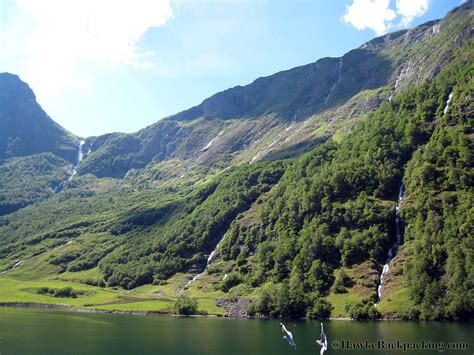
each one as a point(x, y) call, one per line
point(235, 307)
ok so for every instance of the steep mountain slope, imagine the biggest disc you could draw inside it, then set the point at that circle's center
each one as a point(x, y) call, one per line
point(335, 211)
point(290, 112)
point(308, 235)
point(35, 152)
point(26, 180)
point(25, 129)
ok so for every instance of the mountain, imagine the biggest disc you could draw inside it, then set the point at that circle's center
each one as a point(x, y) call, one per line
point(339, 188)
point(25, 128)
point(35, 152)
point(289, 112)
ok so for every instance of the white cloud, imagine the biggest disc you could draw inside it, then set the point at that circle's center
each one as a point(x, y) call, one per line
point(378, 15)
point(57, 44)
point(409, 9)
point(372, 14)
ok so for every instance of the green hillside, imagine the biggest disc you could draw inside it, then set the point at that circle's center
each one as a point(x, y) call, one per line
point(280, 195)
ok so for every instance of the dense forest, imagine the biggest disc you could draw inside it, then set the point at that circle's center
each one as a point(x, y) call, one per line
point(191, 232)
point(335, 207)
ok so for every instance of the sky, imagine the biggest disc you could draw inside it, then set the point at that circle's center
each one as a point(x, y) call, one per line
point(100, 66)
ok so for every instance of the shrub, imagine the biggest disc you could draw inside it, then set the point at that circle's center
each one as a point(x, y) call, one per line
point(43, 290)
point(57, 292)
point(65, 292)
point(185, 305)
point(92, 282)
point(232, 280)
point(338, 287)
point(363, 310)
point(321, 309)
point(342, 281)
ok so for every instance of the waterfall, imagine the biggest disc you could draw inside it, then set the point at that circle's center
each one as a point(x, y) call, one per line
point(447, 103)
point(397, 82)
point(337, 82)
point(208, 263)
point(90, 149)
point(212, 141)
point(18, 263)
point(393, 249)
point(80, 155)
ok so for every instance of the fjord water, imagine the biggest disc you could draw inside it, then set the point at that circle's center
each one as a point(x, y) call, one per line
point(33, 331)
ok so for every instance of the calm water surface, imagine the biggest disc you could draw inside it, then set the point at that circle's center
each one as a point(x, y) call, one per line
point(32, 331)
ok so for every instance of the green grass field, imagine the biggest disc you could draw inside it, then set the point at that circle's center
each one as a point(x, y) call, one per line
point(20, 285)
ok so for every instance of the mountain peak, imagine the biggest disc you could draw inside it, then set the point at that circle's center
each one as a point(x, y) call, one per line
point(25, 128)
point(12, 88)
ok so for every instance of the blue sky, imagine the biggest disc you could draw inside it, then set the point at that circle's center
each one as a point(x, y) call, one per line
point(100, 66)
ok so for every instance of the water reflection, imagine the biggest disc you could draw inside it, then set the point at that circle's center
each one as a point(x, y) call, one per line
point(30, 331)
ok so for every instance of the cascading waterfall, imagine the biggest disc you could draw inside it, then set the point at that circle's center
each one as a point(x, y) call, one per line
point(337, 82)
point(209, 260)
point(18, 263)
point(393, 249)
point(121, 181)
point(212, 141)
point(80, 155)
point(397, 82)
point(90, 149)
point(447, 103)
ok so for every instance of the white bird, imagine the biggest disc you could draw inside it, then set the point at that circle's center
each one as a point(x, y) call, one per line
point(323, 342)
point(287, 335)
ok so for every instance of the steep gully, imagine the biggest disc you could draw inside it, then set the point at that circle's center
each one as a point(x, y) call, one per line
point(397, 82)
point(394, 248)
point(398, 226)
point(446, 108)
point(80, 156)
point(18, 263)
point(209, 260)
point(21, 261)
point(337, 82)
point(266, 150)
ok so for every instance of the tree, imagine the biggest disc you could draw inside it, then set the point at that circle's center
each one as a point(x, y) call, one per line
point(185, 305)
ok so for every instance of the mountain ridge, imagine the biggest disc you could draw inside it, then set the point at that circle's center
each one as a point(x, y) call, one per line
point(21, 119)
point(247, 132)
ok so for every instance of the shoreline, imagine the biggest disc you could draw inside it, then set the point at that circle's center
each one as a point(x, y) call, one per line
point(67, 308)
